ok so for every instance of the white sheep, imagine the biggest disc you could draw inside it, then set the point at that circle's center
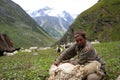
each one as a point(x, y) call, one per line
point(67, 71)
point(33, 49)
point(91, 67)
point(118, 78)
point(62, 72)
point(52, 72)
point(95, 42)
point(8, 53)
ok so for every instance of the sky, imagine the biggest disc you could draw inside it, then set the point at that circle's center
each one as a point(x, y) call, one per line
point(72, 6)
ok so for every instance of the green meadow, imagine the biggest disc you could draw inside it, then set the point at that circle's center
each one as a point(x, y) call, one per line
point(27, 66)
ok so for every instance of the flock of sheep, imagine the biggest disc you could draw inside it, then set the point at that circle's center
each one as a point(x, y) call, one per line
point(31, 49)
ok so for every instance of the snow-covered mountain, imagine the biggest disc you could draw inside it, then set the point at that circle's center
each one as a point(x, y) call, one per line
point(55, 24)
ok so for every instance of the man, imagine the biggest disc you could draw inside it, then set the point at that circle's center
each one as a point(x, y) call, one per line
point(85, 52)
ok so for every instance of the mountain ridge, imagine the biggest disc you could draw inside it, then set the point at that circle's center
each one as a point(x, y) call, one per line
point(56, 25)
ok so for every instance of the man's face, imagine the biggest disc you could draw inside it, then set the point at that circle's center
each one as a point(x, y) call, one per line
point(80, 40)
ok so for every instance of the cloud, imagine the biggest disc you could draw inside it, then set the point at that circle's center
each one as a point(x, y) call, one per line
point(71, 6)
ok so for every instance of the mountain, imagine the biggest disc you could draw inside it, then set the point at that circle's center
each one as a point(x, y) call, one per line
point(20, 27)
point(55, 24)
point(101, 22)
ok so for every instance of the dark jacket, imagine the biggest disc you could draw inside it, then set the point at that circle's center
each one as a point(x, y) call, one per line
point(84, 54)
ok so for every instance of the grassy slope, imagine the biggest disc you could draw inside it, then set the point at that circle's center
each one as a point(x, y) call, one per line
point(104, 17)
point(25, 66)
point(20, 27)
point(25, 37)
point(101, 21)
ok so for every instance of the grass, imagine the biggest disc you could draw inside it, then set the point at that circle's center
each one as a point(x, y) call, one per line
point(24, 37)
point(110, 53)
point(26, 66)
point(100, 21)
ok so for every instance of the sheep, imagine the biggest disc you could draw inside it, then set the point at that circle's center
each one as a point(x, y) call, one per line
point(93, 66)
point(52, 72)
point(8, 53)
point(59, 50)
point(118, 78)
point(24, 50)
point(61, 72)
point(68, 71)
point(15, 52)
point(95, 42)
point(82, 71)
point(44, 48)
point(33, 49)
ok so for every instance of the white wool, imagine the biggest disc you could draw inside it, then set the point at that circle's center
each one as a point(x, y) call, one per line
point(67, 67)
point(8, 53)
point(92, 67)
point(118, 78)
point(67, 71)
point(62, 72)
point(33, 49)
point(95, 42)
point(52, 69)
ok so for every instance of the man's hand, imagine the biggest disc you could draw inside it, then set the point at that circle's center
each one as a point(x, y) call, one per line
point(56, 63)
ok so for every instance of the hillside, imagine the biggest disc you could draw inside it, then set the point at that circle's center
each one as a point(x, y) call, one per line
point(101, 21)
point(20, 27)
